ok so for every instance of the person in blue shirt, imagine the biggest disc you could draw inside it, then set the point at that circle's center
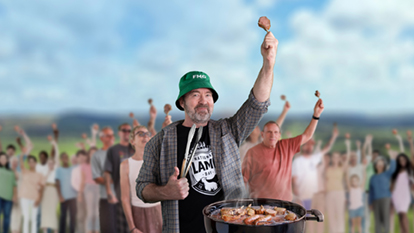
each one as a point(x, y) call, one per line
point(67, 194)
point(380, 193)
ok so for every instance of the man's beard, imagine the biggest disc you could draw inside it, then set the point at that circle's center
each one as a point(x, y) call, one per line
point(198, 117)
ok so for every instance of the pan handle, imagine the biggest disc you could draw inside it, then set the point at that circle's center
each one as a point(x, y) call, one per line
point(317, 215)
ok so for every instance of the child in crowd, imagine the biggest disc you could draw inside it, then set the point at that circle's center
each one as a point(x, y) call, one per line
point(356, 205)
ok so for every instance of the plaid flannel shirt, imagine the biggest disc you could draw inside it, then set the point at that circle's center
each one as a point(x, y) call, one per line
point(226, 136)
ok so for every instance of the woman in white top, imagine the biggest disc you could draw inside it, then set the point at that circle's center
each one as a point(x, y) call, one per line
point(141, 217)
point(50, 198)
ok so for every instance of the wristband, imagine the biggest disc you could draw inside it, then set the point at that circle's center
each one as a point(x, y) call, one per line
point(314, 117)
point(132, 229)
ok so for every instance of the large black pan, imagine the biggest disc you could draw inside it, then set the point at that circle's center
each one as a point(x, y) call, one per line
point(213, 225)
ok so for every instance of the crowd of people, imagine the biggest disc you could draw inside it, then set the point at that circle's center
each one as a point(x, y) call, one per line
point(135, 185)
point(97, 186)
point(359, 181)
point(91, 191)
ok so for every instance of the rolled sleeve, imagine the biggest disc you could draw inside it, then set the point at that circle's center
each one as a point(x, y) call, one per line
point(150, 169)
point(247, 118)
point(255, 104)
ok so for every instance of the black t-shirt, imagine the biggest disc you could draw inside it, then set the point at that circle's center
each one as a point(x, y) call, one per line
point(115, 155)
point(204, 186)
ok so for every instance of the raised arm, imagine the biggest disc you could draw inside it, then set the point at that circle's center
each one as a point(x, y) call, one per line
point(55, 138)
point(400, 143)
point(411, 143)
point(308, 134)
point(55, 149)
point(126, 196)
point(392, 153)
point(27, 141)
point(318, 147)
point(80, 145)
point(392, 167)
point(151, 122)
point(282, 116)
point(167, 121)
point(94, 134)
point(26, 149)
point(348, 147)
point(367, 149)
point(263, 85)
point(348, 154)
point(135, 122)
point(1, 146)
point(331, 142)
point(358, 151)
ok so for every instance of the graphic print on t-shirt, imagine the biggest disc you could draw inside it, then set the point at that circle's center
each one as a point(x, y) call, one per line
point(203, 175)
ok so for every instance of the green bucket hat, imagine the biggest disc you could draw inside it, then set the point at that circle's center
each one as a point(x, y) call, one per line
point(193, 80)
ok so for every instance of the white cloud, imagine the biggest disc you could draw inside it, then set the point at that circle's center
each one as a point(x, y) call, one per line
point(111, 57)
point(353, 50)
point(88, 49)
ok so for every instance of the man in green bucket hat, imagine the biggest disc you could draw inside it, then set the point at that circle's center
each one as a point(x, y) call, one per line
point(215, 169)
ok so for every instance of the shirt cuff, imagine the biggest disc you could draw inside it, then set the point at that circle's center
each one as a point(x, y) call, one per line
point(256, 104)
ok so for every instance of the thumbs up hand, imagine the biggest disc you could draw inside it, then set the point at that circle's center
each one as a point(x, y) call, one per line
point(177, 188)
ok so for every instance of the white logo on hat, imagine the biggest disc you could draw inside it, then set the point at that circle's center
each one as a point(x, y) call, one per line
point(199, 76)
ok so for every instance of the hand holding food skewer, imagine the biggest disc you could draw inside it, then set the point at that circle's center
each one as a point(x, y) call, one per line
point(269, 45)
point(167, 108)
point(287, 104)
point(317, 94)
point(167, 121)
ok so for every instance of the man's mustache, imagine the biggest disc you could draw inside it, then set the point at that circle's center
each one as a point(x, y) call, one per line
point(202, 106)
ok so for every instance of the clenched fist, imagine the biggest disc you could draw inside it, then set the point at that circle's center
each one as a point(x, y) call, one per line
point(269, 49)
point(318, 108)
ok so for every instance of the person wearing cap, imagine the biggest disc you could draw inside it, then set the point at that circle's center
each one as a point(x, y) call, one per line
point(215, 172)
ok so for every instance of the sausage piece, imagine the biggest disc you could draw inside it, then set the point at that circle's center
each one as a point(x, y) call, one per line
point(280, 211)
point(250, 220)
point(263, 219)
point(261, 210)
point(227, 217)
point(290, 217)
point(270, 212)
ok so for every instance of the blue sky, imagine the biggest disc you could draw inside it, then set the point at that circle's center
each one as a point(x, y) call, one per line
point(110, 57)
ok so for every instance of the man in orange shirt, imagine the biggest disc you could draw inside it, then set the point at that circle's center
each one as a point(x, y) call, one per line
point(267, 167)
